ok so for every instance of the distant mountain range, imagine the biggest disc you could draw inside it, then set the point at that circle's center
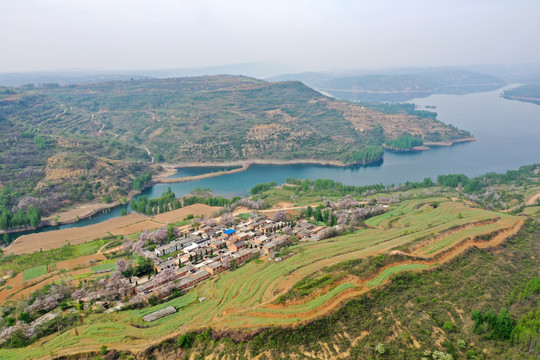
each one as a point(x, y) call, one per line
point(66, 77)
point(395, 86)
point(388, 85)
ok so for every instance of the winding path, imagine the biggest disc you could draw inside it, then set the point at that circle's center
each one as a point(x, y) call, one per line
point(533, 199)
point(149, 154)
point(62, 113)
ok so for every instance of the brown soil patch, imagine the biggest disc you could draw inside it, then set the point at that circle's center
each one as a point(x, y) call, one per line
point(83, 260)
point(16, 283)
point(244, 167)
point(55, 239)
point(241, 210)
point(283, 205)
point(291, 211)
point(23, 294)
point(138, 227)
point(180, 214)
point(156, 132)
point(123, 225)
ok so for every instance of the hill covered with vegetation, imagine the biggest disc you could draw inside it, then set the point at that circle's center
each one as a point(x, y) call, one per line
point(75, 143)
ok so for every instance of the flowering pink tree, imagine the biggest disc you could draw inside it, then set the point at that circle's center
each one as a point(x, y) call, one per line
point(78, 294)
point(122, 265)
point(166, 276)
point(227, 219)
point(210, 222)
point(342, 218)
point(346, 203)
point(115, 287)
point(280, 215)
point(252, 204)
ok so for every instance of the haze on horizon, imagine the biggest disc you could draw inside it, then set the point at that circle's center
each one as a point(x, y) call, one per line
point(306, 35)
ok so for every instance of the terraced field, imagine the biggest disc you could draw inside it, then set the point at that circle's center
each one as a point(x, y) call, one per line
point(436, 231)
point(35, 272)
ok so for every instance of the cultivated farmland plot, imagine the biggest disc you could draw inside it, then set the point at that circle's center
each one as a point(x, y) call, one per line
point(35, 272)
point(246, 297)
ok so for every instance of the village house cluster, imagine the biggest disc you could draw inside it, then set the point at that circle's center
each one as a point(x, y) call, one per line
point(210, 250)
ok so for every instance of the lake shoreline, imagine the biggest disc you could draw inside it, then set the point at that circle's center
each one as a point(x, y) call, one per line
point(88, 210)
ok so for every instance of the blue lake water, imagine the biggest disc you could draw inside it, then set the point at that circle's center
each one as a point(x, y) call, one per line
point(508, 134)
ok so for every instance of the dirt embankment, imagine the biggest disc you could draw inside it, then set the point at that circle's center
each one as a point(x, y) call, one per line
point(244, 165)
point(449, 143)
point(205, 176)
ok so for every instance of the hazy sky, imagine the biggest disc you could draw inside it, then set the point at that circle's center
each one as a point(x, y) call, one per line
point(309, 34)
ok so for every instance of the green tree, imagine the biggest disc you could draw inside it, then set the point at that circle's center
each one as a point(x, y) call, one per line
point(25, 317)
point(171, 235)
point(326, 215)
point(318, 215)
point(103, 350)
point(152, 300)
point(33, 215)
point(185, 341)
point(5, 219)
